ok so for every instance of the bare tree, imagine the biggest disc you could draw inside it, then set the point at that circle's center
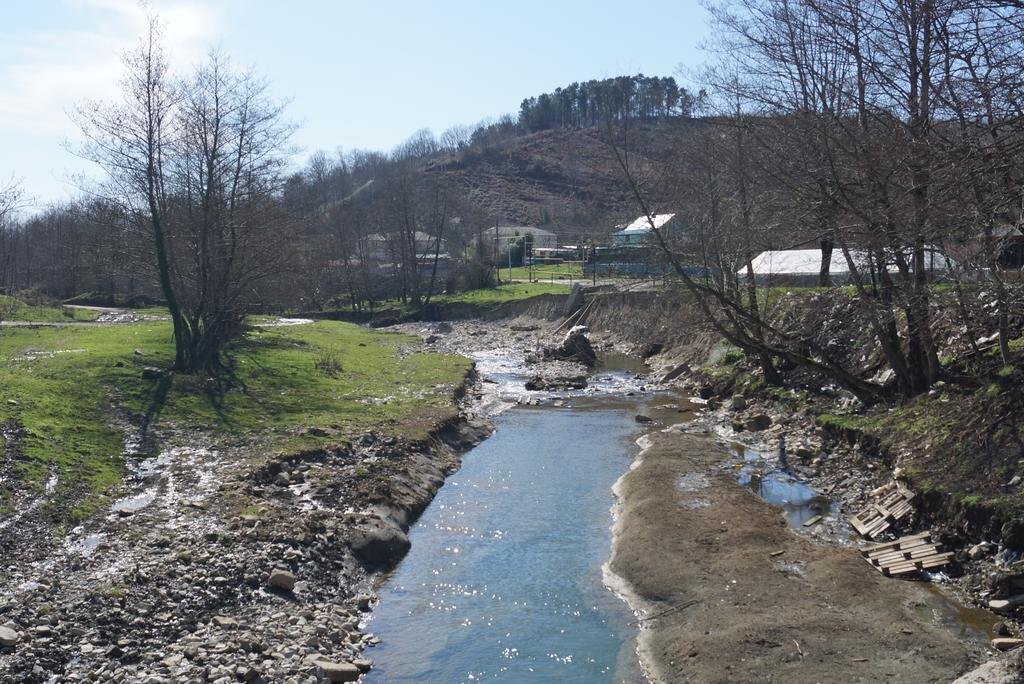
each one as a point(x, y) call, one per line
point(195, 164)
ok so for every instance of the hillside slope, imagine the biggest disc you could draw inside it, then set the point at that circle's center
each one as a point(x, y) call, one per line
point(564, 179)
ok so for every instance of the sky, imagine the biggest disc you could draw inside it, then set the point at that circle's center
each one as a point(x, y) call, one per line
point(356, 74)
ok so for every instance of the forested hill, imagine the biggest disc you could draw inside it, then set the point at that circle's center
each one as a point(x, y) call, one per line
point(552, 164)
point(565, 177)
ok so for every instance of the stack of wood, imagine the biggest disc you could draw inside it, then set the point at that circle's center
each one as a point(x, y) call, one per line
point(907, 555)
point(891, 503)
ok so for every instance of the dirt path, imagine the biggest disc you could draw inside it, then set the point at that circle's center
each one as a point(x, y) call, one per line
point(700, 555)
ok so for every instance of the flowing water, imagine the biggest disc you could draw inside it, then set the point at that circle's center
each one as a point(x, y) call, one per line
point(504, 578)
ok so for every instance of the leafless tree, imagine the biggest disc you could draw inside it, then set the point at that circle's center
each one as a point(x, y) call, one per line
point(195, 164)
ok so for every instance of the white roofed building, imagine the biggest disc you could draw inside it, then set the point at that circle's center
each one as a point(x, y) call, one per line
point(802, 266)
point(639, 231)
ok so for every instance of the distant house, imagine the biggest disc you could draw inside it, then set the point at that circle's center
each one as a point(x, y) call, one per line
point(801, 267)
point(498, 238)
point(638, 232)
point(382, 247)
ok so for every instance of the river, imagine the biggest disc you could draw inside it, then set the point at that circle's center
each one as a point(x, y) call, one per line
point(504, 579)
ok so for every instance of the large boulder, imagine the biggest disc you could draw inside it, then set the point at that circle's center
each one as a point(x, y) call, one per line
point(8, 637)
point(282, 579)
point(575, 347)
point(338, 672)
point(379, 543)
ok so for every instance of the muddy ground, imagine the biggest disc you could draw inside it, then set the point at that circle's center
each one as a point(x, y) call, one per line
point(729, 593)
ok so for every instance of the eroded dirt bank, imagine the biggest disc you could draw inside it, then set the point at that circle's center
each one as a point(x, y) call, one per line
point(728, 593)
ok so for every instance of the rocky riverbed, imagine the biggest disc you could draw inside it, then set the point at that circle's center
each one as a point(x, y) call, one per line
point(215, 566)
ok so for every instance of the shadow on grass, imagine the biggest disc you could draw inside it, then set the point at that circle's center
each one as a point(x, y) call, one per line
point(157, 401)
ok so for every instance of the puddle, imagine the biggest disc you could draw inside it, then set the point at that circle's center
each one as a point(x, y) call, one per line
point(131, 504)
point(691, 482)
point(285, 322)
point(799, 502)
point(969, 622)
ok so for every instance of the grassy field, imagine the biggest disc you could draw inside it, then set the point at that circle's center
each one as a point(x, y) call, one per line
point(74, 391)
point(549, 272)
point(12, 309)
point(485, 298)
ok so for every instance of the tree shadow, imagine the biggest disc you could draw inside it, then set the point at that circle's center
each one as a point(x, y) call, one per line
point(157, 400)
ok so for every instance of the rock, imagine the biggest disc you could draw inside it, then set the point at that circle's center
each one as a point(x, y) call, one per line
point(539, 383)
point(151, 373)
point(364, 664)
point(651, 349)
point(758, 423)
point(430, 339)
point(281, 480)
point(172, 661)
point(738, 403)
point(363, 602)
point(443, 327)
point(640, 418)
point(1007, 603)
point(282, 579)
point(378, 544)
point(805, 454)
point(1014, 481)
point(1001, 629)
point(8, 637)
point(1007, 643)
point(1012, 534)
point(737, 426)
point(980, 550)
point(675, 372)
point(575, 347)
point(706, 392)
point(224, 621)
point(338, 672)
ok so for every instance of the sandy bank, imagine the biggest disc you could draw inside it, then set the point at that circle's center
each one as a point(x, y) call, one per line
point(729, 593)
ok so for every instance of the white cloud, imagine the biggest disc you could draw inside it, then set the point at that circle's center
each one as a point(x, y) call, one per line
point(44, 73)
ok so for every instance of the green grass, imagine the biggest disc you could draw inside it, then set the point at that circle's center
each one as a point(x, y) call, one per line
point(500, 294)
point(564, 271)
point(12, 309)
point(485, 298)
point(68, 402)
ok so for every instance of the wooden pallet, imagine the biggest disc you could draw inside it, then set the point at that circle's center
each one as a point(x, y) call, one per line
point(907, 555)
point(892, 503)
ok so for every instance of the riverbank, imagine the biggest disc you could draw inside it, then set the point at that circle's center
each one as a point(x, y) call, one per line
point(727, 592)
point(843, 471)
point(248, 526)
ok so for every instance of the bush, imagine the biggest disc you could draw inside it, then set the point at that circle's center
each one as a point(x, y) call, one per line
point(328, 362)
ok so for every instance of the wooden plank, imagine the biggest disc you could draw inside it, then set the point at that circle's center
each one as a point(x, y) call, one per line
point(876, 529)
point(896, 543)
point(901, 554)
point(913, 544)
point(922, 563)
point(900, 557)
point(812, 521)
